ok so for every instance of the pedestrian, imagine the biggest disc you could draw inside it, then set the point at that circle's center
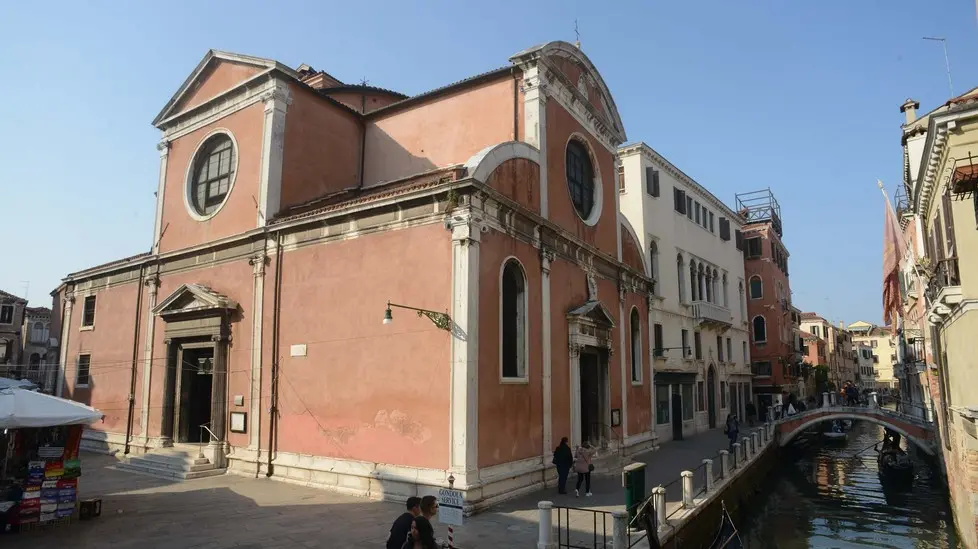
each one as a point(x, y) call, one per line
point(731, 429)
point(751, 412)
point(429, 507)
point(422, 535)
point(402, 525)
point(583, 467)
point(564, 460)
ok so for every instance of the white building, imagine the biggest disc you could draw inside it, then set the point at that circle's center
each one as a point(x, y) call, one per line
point(865, 372)
point(699, 336)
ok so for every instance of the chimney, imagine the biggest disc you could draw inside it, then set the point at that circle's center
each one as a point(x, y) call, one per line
point(842, 325)
point(909, 108)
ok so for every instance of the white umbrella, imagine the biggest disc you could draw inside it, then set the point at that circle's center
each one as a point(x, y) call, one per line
point(20, 408)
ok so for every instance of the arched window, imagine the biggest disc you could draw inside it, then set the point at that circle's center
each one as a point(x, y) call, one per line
point(760, 329)
point(709, 285)
point(513, 321)
point(701, 290)
point(35, 361)
point(636, 332)
point(37, 332)
point(756, 287)
point(654, 260)
point(693, 281)
point(682, 277)
point(716, 286)
point(213, 171)
point(743, 301)
point(6, 351)
point(726, 295)
point(580, 178)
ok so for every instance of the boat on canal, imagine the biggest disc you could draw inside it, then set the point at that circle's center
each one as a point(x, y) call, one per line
point(893, 461)
point(837, 433)
point(728, 537)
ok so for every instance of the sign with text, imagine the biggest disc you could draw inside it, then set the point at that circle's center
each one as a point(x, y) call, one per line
point(450, 504)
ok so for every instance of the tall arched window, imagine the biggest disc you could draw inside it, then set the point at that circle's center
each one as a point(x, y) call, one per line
point(35, 361)
point(693, 281)
point(756, 287)
point(701, 291)
point(636, 332)
point(743, 301)
point(37, 332)
point(580, 178)
point(716, 286)
point(681, 269)
point(654, 261)
point(760, 329)
point(513, 321)
point(726, 295)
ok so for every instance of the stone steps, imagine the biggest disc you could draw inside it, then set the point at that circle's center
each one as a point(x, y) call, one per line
point(181, 463)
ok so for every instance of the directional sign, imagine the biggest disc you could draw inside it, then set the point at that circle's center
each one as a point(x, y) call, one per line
point(450, 504)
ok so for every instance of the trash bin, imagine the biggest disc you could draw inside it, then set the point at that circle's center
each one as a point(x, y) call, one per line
point(633, 480)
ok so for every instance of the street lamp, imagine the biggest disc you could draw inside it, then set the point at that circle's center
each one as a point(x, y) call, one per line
point(441, 321)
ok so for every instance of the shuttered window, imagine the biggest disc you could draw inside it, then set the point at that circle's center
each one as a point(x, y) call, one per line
point(739, 238)
point(652, 182)
point(752, 248)
point(679, 196)
point(724, 229)
point(949, 226)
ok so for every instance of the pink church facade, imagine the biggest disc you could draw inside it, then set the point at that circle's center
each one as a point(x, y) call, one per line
point(292, 209)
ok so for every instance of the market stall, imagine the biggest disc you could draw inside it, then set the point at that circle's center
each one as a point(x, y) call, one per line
point(40, 436)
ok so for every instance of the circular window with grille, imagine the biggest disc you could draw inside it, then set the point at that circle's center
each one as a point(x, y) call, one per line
point(211, 175)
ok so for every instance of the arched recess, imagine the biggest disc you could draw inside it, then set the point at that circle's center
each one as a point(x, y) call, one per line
point(481, 165)
point(638, 249)
point(923, 445)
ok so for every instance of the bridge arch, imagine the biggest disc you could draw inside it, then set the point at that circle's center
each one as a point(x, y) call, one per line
point(788, 431)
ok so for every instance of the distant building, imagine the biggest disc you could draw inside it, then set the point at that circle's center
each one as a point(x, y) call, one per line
point(11, 327)
point(884, 351)
point(699, 321)
point(774, 353)
point(865, 368)
point(40, 348)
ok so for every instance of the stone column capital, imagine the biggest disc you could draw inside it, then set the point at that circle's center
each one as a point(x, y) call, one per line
point(163, 147)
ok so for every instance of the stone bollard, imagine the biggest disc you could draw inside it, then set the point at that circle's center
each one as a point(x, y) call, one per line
point(736, 455)
point(724, 464)
point(756, 441)
point(620, 529)
point(832, 398)
point(746, 445)
point(708, 465)
point(659, 502)
point(825, 400)
point(874, 400)
point(763, 432)
point(687, 489)
point(546, 538)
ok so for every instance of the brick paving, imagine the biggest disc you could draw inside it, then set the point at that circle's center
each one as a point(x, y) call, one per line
point(246, 513)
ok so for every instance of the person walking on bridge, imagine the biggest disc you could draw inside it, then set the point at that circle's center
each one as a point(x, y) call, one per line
point(732, 429)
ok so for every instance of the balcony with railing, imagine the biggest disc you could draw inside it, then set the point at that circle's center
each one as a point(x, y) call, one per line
point(712, 315)
point(944, 288)
point(42, 375)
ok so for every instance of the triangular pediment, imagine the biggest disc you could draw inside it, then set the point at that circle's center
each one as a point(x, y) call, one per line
point(217, 73)
point(592, 311)
point(193, 298)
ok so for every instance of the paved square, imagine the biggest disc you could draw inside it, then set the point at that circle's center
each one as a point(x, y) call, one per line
point(237, 512)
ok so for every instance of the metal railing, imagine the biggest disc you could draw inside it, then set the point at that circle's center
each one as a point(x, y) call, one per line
point(211, 437)
point(705, 310)
point(570, 539)
point(945, 274)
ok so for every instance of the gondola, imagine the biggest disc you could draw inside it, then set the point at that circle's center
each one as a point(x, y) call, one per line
point(727, 535)
point(837, 433)
point(894, 463)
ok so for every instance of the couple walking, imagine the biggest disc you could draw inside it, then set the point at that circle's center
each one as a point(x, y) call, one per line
point(580, 460)
point(413, 529)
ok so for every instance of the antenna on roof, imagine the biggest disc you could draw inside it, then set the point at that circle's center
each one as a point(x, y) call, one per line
point(363, 81)
point(947, 64)
point(577, 35)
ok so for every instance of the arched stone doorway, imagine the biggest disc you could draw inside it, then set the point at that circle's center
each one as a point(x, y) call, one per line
point(711, 395)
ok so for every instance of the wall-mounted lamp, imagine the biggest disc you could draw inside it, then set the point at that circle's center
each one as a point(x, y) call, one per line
point(441, 320)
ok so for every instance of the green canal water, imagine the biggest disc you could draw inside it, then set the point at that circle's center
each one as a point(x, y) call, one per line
point(825, 497)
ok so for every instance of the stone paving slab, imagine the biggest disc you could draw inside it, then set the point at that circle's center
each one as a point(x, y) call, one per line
point(228, 512)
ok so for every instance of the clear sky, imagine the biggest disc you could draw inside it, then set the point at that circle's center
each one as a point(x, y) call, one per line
point(801, 96)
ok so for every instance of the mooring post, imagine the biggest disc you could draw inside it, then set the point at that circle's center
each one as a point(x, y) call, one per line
point(708, 465)
point(687, 489)
point(724, 464)
point(620, 529)
point(736, 455)
point(746, 445)
point(873, 400)
point(825, 400)
point(755, 440)
point(546, 537)
point(659, 501)
point(833, 398)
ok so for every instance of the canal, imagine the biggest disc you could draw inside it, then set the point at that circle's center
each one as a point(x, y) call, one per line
point(828, 496)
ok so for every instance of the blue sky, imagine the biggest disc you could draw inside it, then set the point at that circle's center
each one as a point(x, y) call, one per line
point(800, 96)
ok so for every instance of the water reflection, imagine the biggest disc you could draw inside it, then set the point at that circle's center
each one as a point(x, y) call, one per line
point(828, 496)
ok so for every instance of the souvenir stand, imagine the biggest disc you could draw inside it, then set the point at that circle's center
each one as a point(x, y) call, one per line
point(40, 437)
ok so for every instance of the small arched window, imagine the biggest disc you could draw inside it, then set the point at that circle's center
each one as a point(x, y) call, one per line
point(760, 329)
point(756, 287)
point(580, 178)
point(693, 281)
point(654, 260)
point(35, 361)
point(636, 334)
point(680, 267)
point(213, 171)
point(513, 321)
point(726, 295)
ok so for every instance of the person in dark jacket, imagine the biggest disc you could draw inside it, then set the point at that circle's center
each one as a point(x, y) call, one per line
point(564, 460)
point(402, 526)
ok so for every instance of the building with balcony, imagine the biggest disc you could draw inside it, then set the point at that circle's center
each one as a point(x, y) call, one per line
point(865, 370)
point(11, 326)
point(775, 360)
point(699, 316)
point(940, 167)
point(883, 348)
point(40, 348)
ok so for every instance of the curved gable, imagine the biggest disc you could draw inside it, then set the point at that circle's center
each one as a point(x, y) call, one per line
point(568, 63)
point(631, 252)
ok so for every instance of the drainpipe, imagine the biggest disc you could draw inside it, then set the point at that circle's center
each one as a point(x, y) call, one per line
point(273, 406)
point(135, 357)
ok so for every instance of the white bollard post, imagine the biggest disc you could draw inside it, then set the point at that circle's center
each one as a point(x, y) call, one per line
point(620, 529)
point(755, 440)
point(873, 400)
point(724, 464)
point(708, 465)
point(546, 537)
point(763, 434)
point(736, 455)
point(825, 400)
point(659, 501)
point(833, 398)
point(746, 445)
point(687, 489)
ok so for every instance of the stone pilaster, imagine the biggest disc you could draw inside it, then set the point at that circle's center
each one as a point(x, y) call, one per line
point(164, 148)
point(258, 264)
point(546, 261)
point(152, 286)
point(69, 302)
point(277, 101)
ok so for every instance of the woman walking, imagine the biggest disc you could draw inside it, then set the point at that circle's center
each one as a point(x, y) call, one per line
point(583, 466)
point(732, 429)
point(564, 460)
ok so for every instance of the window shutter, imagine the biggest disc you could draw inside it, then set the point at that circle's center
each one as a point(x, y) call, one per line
point(680, 197)
point(938, 237)
point(739, 238)
point(652, 181)
point(655, 183)
point(949, 226)
point(724, 228)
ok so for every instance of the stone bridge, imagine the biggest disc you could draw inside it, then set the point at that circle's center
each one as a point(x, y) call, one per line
point(920, 432)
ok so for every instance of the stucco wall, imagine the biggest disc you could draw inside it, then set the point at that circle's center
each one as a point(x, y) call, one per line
point(519, 180)
point(322, 149)
point(363, 102)
point(365, 390)
point(219, 78)
point(443, 132)
point(238, 214)
point(510, 414)
point(638, 393)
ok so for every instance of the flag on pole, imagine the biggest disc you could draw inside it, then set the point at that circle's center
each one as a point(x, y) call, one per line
point(893, 246)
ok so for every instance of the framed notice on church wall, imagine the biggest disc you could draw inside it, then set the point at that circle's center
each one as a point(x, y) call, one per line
point(238, 421)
